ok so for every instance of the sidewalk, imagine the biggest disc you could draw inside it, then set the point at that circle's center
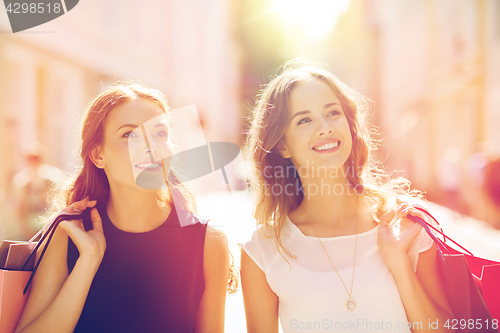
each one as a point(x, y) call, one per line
point(233, 215)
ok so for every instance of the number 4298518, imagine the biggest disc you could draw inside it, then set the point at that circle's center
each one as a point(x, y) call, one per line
point(471, 324)
point(33, 8)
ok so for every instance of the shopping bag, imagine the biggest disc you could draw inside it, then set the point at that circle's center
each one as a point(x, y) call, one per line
point(471, 283)
point(13, 279)
point(17, 268)
point(12, 301)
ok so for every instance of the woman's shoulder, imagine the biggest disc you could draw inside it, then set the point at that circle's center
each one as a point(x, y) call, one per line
point(215, 239)
point(264, 234)
point(261, 245)
point(216, 252)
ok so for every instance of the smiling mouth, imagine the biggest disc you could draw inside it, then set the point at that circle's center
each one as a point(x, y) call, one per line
point(149, 165)
point(327, 146)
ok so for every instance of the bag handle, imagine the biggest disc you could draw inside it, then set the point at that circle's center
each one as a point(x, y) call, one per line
point(442, 247)
point(32, 239)
point(440, 231)
point(50, 233)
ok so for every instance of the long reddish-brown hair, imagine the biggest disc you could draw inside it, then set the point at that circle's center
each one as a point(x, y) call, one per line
point(270, 119)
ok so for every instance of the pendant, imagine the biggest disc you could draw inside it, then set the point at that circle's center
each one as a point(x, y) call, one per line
point(350, 304)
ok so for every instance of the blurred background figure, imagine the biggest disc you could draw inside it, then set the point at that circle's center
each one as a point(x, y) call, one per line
point(31, 189)
point(476, 166)
point(449, 178)
point(492, 190)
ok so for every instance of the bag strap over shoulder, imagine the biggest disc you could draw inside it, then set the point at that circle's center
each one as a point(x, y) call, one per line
point(427, 226)
point(49, 233)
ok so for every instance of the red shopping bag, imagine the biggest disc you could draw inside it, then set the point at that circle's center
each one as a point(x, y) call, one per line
point(470, 283)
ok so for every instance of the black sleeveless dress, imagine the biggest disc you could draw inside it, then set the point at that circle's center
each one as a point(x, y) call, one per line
point(147, 282)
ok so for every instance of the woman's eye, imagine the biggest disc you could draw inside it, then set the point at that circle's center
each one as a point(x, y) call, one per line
point(161, 134)
point(334, 113)
point(303, 121)
point(129, 135)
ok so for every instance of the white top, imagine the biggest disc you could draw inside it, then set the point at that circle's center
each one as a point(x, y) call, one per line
point(311, 295)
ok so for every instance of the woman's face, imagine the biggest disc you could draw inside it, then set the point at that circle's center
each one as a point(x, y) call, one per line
point(135, 143)
point(318, 133)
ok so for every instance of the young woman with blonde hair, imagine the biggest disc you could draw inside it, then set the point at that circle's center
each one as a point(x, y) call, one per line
point(129, 265)
point(334, 250)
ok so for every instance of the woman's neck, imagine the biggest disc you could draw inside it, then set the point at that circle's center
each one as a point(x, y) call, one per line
point(332, 202)
point(336, 210)
point(329, 191)
point(134, 210)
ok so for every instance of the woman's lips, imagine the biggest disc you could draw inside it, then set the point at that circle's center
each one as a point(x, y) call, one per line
point(149, 166)
point(327, 146)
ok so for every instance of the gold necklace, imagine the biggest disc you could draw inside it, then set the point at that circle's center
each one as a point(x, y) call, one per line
point(350, 302)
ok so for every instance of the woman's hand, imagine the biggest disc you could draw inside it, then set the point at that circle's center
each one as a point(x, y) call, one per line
point(395, 234)
point(58, 296)
point(91, 244)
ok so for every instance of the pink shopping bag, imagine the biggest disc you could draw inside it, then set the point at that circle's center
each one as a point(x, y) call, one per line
point(12, 300)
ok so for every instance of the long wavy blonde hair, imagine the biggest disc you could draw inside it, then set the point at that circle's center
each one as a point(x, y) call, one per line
point(270, 119)
point(92, 181)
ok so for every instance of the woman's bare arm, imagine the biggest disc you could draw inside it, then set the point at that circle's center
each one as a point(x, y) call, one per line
point(57, 298)
point(421, 292)
point(210, 316)
point(261, 303)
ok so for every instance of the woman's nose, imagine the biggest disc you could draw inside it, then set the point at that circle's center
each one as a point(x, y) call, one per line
point(151, 148)
point(325, 128)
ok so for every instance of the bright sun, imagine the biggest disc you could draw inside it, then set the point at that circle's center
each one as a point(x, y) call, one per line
point(316, 18)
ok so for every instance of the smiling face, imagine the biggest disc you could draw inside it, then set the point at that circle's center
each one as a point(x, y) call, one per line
point(135, 142)
point(318, 131)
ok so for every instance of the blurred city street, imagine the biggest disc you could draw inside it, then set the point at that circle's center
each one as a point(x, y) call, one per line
point(430, 69)
point(233, 215)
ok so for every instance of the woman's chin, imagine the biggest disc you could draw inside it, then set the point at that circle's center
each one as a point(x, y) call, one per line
point(151, 179)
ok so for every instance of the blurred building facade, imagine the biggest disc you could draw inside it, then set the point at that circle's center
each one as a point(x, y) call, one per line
point(433, 70)
point(49, 73)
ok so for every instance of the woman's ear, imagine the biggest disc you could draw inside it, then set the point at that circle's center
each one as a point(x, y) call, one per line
point(283, 150)
point(97, 159)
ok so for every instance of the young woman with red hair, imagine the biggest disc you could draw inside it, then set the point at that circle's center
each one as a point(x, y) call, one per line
point(129, 265)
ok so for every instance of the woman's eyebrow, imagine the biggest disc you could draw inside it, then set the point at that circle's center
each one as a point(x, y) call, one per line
point(326, 106)
point(299, 113)
point(126, 125)
point(135, 126)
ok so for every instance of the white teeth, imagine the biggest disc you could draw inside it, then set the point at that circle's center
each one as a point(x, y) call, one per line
point(148, 165)
point(327, 146)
